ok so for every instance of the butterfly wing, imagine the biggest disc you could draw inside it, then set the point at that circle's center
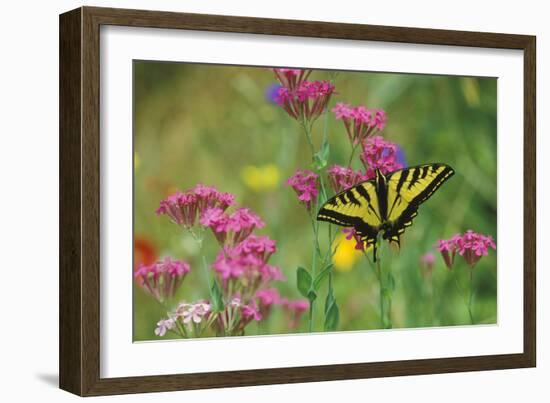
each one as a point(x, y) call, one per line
point(356, 207)
point(407, 189)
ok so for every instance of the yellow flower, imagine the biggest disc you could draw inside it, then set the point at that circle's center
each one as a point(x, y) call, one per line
point(137, 160)
point(346, 255)
point(261, 178)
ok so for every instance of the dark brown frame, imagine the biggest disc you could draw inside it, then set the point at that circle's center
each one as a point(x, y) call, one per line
point(79, 200)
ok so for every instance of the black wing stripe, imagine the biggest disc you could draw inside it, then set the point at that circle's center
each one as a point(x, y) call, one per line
point(414, 178)
point(363, 192)
point(347, 221)
point(433, 186)
point(425, 170)
point(352, 198)
point(402, 180)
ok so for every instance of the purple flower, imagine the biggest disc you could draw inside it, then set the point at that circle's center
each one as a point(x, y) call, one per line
point(360, 122)
point(471, 246)
point(184, 208)
point(342, 178)
point(304, 184)
point(162, 279)
point(272, 93)
point(379, 154)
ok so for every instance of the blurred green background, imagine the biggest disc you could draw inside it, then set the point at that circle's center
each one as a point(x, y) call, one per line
point(216, 125)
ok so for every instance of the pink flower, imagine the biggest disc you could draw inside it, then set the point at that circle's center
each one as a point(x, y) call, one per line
point(471, 246)
point(268, 297)
point(304, 184)
point(426, 264)
point(250, 312)
point(380, 154)
point(244, 269)
point(184, 208)
point(294, 311)
point(305, 101)
point(359, 121)
point(231, 229)
point(162, 279)
point(352, 234)
point(342, 178)
point(258, 245)
point(291, 78)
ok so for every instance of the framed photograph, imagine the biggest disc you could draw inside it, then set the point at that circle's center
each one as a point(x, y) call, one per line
point(249, 201)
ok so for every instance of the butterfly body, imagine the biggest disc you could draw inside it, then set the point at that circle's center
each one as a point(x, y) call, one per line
point(386, 204)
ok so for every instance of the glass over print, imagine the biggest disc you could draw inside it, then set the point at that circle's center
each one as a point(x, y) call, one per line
point(290, 200)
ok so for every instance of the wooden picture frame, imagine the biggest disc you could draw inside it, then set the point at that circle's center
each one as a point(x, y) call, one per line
point(79, 346)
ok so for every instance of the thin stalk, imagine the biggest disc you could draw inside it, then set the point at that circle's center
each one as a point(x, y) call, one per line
point(307, 130)
point(353, 149)
point(467, 301)
point(470, 297)
point(313, 274)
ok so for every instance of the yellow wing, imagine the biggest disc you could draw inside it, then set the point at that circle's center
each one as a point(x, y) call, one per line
point(356, 207)
point(407, 189)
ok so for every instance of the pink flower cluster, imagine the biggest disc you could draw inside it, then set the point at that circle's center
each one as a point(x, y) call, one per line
point(306, 100)
point(291, 78)
point(304, 184)
point(380, 154)
point(294, 310)
point(245, 265)
point(471, 246)
point(359, 121)
point(230, 229)
point(162, 279)
point(185, 208)
point(342, 178)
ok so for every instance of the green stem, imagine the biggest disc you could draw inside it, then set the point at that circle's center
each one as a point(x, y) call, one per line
point(307, 130)
point(470, 298)
point(354, 147)
point(467, 301)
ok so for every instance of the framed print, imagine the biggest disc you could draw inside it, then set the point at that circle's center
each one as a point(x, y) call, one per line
point(251, 201)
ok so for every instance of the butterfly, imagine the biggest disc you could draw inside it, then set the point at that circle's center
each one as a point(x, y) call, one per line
point(385, 204)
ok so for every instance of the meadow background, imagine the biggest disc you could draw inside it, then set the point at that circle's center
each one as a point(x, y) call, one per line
point(217, 125)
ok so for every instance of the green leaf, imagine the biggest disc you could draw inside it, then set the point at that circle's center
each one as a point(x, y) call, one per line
point(304, 281)
point(321, 277)
point(216, 297)
point(311, 296)
point(332, 317)
point(320, 159)
point(329, 301)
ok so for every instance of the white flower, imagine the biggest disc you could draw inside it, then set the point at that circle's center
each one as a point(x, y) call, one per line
point(163, 326)
point(193, 312)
